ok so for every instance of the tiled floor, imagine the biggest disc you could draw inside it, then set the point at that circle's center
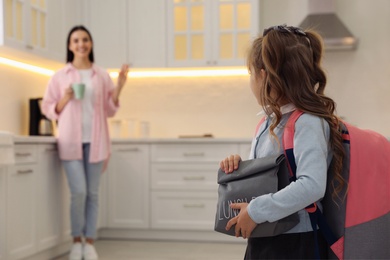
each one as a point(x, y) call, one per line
point(159, 250)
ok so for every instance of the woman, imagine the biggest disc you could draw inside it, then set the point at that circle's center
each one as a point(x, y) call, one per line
point(83, 138)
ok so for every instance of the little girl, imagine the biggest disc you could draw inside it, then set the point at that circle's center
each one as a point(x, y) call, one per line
point(285, 75)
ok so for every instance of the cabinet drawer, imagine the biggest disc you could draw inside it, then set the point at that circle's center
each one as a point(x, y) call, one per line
point(25, 154)
point(184, 210)
point(23, 170)
point(184, 176)
point(192, 152)
point(21, 211)
point(245, 150)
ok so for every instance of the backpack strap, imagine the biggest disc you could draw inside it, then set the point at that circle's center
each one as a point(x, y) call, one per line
point(288, 143)
point(262, 120)
point(315, 214)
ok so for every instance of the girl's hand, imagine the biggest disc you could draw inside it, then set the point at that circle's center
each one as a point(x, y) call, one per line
point(244, 223)
point(122, 77)
point(230, 163)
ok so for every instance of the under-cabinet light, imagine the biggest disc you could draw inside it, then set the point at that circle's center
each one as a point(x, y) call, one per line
point(185, 73)
point(196, 72)
point(25, 66)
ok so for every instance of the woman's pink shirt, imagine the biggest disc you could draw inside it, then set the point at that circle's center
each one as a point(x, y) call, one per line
point(69, 120)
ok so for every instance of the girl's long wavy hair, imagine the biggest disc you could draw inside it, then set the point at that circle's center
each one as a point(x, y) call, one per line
point(291, 59)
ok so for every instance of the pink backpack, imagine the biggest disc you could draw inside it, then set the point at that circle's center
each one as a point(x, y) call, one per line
point(357, 227)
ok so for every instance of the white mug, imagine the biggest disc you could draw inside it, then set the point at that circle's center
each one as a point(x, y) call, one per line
point(116, 127)
point(132, 128)
point(144, 129)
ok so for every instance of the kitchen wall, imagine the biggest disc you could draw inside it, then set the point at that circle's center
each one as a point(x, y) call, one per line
point(17, 86)
point(359, 81)
point(223, 107)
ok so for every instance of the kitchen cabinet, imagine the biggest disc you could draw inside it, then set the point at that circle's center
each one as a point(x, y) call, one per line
point(210, 33)
point(22, 203)
point(64, 220)
point(37, 214)
point(151, 189)
point(107, 23)
point(146, 33)
point(244, 151)
point(39, 27)
point(184, 188)
point(48, 207)
point(26, 24)
point(103, 203)
point(128, 186)
point(131, 32)
point(3, 176)
point(62, 15)
point(188, 211)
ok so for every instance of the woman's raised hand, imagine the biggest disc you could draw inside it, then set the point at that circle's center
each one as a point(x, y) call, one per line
point(230, 163)
point(122, 77)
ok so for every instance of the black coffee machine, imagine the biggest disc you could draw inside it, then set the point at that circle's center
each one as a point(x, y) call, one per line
point(39, 123)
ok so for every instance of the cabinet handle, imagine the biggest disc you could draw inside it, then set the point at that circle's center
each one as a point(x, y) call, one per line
point(214, 62)
point(50, 150)
point(194, 154)
point(208, 62)
point(194, 205)
point(23, 154)
point(135, 149)
point(193, 178)
point(25, 171)
point(30, 47)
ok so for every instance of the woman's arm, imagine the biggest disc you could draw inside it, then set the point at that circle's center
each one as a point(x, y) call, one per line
point(64, 100)
point(122, 77)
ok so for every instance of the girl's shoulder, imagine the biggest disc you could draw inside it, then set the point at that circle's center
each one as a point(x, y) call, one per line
point(311, 122)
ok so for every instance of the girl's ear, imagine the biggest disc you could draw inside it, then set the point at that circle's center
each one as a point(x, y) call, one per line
point(263, 73)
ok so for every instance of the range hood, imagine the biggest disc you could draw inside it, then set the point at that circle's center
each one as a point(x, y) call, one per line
point(323, 18)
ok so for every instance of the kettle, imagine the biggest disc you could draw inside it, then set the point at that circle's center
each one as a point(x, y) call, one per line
point(45, 126)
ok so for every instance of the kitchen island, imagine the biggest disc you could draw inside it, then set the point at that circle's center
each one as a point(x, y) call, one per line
point(152, 189)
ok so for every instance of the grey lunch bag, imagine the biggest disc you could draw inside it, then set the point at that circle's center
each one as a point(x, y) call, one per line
point(253, 178)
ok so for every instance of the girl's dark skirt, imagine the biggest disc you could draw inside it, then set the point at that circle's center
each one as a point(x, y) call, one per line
point(286, 246)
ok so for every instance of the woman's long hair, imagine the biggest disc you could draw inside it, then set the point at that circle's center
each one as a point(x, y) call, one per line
point(69, 53)
point(291, 58)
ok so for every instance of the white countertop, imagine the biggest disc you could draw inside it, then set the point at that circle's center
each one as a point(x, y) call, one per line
point(22, 139)
point(7, 148)
point(50, 139)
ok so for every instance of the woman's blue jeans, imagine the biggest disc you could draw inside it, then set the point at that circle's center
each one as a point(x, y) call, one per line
point(83, 180)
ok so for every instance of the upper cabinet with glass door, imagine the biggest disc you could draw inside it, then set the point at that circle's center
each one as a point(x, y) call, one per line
point(25, 23)
point(210, 32)
point(133, 32)
point(34, 26)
